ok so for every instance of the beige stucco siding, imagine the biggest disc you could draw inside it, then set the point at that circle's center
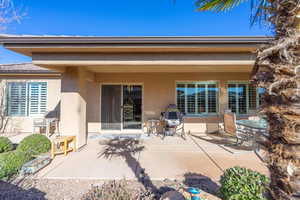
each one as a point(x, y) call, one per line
point(74, 103)
point(159, 91)
point(24, 124)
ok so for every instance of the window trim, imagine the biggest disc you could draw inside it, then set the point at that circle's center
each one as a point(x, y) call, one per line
point(247, 96)
point(216, 82)
point(27, 94)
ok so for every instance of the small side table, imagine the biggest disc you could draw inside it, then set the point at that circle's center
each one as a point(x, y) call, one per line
point(60, 145)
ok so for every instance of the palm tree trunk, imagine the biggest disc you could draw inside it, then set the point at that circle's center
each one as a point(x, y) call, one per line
point(277, 70)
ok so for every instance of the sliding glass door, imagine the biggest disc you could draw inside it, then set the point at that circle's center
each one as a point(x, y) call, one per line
point(121, 107)
point(132, 107)
point(111, 107)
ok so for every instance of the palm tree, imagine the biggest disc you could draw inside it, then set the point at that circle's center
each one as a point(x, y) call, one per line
point(277, 69)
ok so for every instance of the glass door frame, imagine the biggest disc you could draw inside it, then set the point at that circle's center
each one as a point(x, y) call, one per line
point(122, 130)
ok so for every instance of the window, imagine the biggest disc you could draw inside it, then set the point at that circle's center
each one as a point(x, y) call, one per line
point(27, 98)
point(243, 97)
point(194, 98)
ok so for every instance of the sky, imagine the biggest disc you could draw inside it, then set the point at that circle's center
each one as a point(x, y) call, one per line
point(126, 18)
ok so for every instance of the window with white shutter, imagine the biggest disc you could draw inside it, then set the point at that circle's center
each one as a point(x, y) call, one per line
point(17, 97)
point(25, 99)
point(243, 97)
point(197, 98)
point(37, 98)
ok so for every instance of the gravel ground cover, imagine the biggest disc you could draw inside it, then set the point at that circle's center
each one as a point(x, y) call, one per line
point(72, 189)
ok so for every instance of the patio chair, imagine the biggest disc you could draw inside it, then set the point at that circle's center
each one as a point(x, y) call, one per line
point(40, 124)
point(152, 126)
point(48, 125)
point(172, 121)
point(241, 134)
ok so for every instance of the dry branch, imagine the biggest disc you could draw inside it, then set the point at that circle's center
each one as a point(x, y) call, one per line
point(8, 13)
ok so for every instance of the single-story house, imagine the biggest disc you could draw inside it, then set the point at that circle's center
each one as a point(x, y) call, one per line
point(115, 84)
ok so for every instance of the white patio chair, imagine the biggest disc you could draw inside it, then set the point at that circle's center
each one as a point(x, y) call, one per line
point(41, 124)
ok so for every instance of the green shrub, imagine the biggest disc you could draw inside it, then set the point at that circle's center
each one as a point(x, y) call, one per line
point(35, 144)
point(11, 162)
point(5, 145)
point(239, 183)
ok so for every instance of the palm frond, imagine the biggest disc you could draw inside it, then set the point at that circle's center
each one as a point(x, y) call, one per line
point(259, 8)
point(217, 5)
point(259, 11)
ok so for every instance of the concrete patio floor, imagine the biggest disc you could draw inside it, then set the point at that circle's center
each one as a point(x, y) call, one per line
point(170, 158)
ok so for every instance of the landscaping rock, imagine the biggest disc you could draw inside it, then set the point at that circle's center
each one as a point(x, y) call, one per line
point(35, 165)
point(74, 189)
point(172, 195)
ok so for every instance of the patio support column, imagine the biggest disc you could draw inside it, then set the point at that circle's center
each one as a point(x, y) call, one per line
point(73, 104)
point(223, 97)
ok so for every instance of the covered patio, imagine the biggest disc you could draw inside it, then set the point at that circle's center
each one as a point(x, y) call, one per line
point(116, 84)
point(153, 158)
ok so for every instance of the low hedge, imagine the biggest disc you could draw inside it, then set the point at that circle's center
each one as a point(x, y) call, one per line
point(11, 162)
point(35, 144)
point(5, 145)
point(239, 183)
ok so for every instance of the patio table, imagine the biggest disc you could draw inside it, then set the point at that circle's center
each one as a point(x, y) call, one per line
point(255, 124)
point(248, 130)
point(60, 145)
point(256, 130)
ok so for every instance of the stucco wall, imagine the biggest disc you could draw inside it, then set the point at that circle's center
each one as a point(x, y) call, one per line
point(24, 124)
point(159, 91)
point(74, 103)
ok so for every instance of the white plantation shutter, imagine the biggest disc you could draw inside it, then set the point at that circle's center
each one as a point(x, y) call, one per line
point(180, 90)
point(191, 98)
point(212, 99)
point(27, 98)
point(243, 97)
point(37, 98)
point(17, 99)
point(196, 98)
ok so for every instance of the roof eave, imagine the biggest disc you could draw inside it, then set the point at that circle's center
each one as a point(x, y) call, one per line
point(132, 40)
point(28, 45)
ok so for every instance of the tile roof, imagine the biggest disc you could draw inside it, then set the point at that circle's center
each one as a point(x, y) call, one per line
point(24, 68)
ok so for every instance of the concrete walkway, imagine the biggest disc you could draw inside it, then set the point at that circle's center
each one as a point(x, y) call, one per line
point(171, 158)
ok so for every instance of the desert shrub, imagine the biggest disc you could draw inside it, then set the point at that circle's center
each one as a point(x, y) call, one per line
point(239, 183)
point(5, 145)
point(11, 162)
point(35, 144)
point(117, 190)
